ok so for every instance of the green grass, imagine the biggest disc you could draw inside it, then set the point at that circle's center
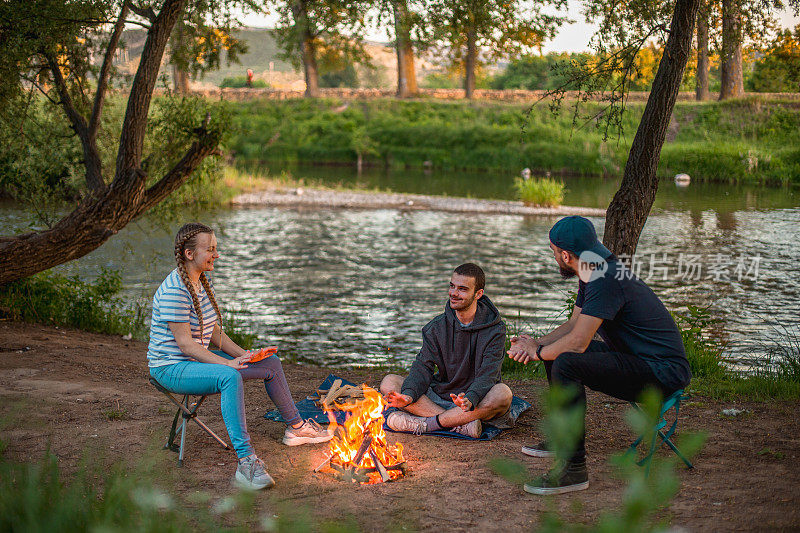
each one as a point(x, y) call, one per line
point(746, 140)
point(55, 299)
point(544, 192)
point(37, 497)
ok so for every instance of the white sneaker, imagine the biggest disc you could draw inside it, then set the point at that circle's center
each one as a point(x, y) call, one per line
point(470, 429)
point(402, 421)
point(251, 474)
point(309, 433)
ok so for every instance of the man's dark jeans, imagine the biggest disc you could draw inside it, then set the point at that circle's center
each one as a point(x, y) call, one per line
point(620, 375)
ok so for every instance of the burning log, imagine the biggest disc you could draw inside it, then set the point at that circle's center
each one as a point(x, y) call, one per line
point(365, 444)
point(379, 465)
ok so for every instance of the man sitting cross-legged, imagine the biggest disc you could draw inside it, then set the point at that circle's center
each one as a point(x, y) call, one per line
point(454, 383)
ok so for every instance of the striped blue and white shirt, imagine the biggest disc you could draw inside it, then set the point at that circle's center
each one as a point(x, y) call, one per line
point(173, 303)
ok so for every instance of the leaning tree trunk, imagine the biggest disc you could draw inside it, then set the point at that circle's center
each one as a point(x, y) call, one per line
point(470, 62)
point(628, 210)
point(731, 72)
point(406, 75)
point(701, 76)
point(99, 217)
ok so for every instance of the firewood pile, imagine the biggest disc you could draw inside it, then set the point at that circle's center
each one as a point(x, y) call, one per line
point(340, 397)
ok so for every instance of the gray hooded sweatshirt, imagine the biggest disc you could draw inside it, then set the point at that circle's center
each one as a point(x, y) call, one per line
point(456, 358)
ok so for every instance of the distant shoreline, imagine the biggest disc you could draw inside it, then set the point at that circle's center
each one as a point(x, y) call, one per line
point(342, 199)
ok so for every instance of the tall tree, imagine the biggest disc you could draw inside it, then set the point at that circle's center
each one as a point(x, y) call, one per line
point(624, 28)
point(308, 28)
point(631, 205)
point(494, 28)
point(779, 69)
point(46, 42)
point(406, 75)
point(731, 69)
point(701, 74)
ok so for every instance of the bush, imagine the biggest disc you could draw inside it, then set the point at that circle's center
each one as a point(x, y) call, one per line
point(239, 82)
point(540, 191)
point(236, 329)
point(51, 298)
point(704, 353)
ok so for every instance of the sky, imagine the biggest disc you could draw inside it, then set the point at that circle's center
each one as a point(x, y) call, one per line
point(571, 37)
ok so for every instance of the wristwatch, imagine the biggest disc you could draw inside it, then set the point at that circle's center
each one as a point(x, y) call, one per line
point(539, 352)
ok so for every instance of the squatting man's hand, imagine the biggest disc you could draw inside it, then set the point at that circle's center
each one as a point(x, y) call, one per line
point(395, 399)
point(461, 401)
point(523, 348)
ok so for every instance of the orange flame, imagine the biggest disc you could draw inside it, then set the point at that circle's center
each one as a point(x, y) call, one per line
point(364, 419)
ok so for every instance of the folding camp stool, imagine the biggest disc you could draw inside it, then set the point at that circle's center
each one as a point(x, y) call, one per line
point(670, 403)
point(188, 411)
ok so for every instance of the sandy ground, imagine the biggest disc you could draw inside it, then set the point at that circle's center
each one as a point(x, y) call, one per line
point(57, 387)
point(309, 197)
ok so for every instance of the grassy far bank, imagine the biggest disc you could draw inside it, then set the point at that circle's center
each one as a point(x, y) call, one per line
point(747, 140)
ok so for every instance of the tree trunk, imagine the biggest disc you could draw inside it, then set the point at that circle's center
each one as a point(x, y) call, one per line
point(308, 50)
point(701, 76)
point(628, 211)
point(731, 61)
point(470, 61)
point(180, 79)
point(406, 75)
point(95, 220)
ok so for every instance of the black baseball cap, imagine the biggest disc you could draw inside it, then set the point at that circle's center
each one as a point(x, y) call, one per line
point(577, 235)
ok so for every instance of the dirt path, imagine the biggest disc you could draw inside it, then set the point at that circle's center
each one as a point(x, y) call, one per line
point(59, 388)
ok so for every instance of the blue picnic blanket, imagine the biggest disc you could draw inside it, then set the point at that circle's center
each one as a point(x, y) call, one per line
point(309, 409)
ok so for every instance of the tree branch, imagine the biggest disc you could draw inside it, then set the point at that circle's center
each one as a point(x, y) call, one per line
point(145, 13)
point(105, 72)
point(92, 162)
point(200, 149)
point(76, 119)
point(131, 140)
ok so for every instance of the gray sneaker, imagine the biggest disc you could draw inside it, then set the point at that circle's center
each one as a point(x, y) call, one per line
point(309, 433)
point(569, 478)
point(402, 421)
point(470, 429)
point(251, 474)
point(542, 449)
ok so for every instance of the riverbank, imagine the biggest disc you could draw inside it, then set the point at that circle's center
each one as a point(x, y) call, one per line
point(753, 140)
point(328, 198)
point(85, 395)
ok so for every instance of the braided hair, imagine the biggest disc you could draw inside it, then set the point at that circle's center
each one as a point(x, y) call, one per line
point(186, 239)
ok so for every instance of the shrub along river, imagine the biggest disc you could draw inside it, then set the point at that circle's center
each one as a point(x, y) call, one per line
point(340, 287)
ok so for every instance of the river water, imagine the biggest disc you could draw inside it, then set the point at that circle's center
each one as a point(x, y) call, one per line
point(341, 287)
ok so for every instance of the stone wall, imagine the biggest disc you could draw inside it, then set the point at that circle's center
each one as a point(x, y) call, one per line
point(517, 95)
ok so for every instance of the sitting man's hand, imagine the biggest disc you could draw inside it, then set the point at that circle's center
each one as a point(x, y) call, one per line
point(461, 401)
point(395, 399)
point(523, 348)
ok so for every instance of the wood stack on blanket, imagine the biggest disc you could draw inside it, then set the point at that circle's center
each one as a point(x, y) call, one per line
point(340, 397)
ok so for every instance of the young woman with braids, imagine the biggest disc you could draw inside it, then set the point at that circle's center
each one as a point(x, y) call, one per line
point(185, 322)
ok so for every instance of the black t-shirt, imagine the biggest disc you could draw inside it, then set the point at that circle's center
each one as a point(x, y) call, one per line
point(635, 322)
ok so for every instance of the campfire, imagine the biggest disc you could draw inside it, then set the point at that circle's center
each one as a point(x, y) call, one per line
point(358, 451)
